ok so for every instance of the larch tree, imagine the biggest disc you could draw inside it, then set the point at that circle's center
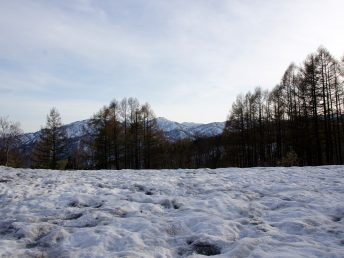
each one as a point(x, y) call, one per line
point(126, 136)
point(299, 122)
point(50, 150)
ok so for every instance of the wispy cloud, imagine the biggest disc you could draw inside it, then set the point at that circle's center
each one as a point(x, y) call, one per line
point(189, 59)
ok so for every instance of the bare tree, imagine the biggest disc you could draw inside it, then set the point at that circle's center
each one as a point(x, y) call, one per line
point(52, 146)
point(10, 133)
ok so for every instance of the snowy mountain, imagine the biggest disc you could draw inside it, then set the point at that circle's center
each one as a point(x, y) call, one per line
point(73, 130)
point(176, 131)
point(173, 130)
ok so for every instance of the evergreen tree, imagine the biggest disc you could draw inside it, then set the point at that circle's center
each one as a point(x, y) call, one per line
point(50, 150)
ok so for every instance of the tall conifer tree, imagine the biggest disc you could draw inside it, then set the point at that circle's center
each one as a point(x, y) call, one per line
point(51, 148)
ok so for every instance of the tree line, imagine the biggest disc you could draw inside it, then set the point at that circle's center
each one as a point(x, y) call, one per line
point(125, 136)
point(298, 122)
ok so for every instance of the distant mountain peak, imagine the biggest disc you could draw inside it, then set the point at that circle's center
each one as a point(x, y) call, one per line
point(176, 131)
point(173, 130)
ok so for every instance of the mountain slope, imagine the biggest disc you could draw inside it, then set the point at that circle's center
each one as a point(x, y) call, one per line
point(73, 130)
point(176, 131)
point(173, 130)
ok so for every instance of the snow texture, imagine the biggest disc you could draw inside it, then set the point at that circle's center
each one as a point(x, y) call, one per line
point(258, 212)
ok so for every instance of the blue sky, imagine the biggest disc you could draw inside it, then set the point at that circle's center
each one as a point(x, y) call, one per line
point(188, 59)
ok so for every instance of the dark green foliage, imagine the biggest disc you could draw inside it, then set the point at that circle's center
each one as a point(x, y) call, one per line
point(290, 159)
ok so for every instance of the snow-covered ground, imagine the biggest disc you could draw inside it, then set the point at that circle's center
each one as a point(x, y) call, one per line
point(258, 212)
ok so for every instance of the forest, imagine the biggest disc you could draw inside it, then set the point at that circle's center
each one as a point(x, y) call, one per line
point(299, 122)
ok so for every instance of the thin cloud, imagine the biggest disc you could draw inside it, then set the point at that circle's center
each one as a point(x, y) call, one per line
point(165, 52)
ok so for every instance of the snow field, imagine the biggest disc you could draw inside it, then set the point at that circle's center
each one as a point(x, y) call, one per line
point(257, 212)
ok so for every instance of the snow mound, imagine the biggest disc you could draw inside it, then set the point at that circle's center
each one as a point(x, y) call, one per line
point(257, 212)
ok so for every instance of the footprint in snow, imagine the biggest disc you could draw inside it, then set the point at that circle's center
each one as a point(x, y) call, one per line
point(73, 216)
point(80, 204)
point(199, 247)
point(167, 204)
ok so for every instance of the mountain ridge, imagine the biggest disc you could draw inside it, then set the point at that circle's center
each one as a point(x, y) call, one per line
point(173, 130)
point(188, 130)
